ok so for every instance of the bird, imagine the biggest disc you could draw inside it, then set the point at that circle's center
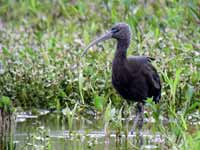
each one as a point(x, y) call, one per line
point(134, 78)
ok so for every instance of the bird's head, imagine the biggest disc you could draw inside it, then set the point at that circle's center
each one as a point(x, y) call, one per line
point(120, 32)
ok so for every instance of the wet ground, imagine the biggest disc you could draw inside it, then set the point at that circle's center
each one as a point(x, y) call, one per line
point(51, 131)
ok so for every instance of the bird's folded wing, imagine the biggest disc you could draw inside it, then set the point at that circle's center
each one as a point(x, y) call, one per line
point(152, 75)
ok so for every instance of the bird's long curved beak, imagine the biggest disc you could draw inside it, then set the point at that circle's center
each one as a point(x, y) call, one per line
point(104, 37)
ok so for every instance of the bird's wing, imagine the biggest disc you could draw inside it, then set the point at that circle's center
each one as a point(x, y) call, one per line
point(151, 75)
point(141, 66)
point(143, 63)
point(153, 80)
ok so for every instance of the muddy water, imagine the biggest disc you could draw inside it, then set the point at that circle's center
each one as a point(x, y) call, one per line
point(50, 131)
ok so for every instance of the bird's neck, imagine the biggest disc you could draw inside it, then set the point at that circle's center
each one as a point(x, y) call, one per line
point(122, 46)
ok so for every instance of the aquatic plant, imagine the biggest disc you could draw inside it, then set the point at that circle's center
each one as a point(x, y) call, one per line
point(70, 113)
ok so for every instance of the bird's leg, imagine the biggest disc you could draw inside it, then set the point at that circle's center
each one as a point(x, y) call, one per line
point(141, 112)
point(136, 119)
point(140, 122)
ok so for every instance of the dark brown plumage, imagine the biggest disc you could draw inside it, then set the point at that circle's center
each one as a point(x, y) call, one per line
point(134, 78)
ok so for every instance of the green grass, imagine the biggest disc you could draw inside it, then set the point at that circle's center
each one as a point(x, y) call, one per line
point(41, 43)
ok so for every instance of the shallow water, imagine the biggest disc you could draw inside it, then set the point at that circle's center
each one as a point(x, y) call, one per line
point(50, 130)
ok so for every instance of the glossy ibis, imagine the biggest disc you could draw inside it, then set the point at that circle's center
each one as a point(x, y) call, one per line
point(134, 78)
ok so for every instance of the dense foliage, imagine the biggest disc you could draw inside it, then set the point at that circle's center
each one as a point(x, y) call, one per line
point(41, 43)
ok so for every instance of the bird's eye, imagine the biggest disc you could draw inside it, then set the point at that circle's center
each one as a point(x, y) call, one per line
point(114, 30)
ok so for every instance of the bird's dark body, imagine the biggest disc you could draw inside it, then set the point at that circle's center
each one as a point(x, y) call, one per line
point(131, 80)
point(134, 78)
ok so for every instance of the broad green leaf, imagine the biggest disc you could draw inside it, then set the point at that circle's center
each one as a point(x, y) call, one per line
point(98, 103)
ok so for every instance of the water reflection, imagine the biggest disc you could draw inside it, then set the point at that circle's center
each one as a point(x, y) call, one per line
point(86, 134)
